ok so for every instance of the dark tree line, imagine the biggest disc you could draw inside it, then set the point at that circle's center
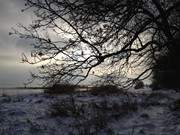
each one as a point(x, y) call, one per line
point(103, 38)
point(166, 72)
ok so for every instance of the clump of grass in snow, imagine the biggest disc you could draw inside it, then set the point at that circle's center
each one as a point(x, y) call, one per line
point(65, 108)
point(156, 99)
point(175, 106)
point(6, 99)
point(4, 131)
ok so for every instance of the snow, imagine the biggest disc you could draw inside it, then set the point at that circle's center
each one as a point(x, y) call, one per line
point(143, 112)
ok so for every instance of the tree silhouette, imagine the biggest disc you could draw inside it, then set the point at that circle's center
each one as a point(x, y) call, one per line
point(77, 38)
point(166, 70)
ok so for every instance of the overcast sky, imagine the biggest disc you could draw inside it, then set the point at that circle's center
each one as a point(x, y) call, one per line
point(12, 71)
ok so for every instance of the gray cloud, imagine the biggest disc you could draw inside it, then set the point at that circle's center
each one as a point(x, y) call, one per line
point(10, 15)
point(11, 71)
point(7, 57)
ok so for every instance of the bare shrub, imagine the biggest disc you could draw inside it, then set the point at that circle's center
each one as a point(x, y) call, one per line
point(61, 88)
point(105, 90)
point(139, 84)
point(66, 108)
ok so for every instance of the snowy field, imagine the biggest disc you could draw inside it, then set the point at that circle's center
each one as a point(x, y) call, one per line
point(143, 112)
point(19, 91)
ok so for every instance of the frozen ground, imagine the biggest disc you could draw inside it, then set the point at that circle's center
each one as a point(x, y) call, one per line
point(139, 113)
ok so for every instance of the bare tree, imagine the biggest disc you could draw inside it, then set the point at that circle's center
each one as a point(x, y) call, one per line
point(104, 38)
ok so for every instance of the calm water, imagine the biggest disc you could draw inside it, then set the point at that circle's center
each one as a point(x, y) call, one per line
point(20, 91)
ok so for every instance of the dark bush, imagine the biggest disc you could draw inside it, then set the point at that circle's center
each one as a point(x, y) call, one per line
point(175, 105)
point(155, 86)
point(60, 89)
point(166, 70)
point(105, 89)
point(139, 84)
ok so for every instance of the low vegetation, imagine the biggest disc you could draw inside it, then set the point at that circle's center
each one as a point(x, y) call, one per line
point(105, 90)
point(175, 105)
point(89, 118)
point(82, 113)
point(139, 84)
point(61, 88)
point(70, 89)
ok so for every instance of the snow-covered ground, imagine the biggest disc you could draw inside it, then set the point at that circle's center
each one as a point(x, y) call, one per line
point(143, 112)
point(19, 91)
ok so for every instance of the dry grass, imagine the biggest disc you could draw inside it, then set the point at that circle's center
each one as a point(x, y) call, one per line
point(90, 118)
point(175, 106)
